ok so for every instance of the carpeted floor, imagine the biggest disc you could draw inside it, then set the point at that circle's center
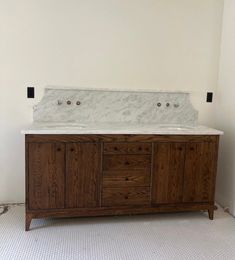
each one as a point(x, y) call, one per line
point(161, 236)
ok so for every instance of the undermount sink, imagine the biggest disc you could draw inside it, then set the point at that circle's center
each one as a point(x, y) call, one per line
point(77, 126)
point(175, 127)
point(89, 126)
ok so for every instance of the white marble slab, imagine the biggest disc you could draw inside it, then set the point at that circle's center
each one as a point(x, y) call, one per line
point(103, 106)
point(116, 112)
point(121, 128)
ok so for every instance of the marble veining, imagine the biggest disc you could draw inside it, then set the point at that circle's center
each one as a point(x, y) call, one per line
point(82, 106)
point(82, 111)
point(118, 128)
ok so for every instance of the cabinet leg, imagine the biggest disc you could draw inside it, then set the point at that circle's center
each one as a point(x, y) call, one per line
point(28, 219)
point(211, 214)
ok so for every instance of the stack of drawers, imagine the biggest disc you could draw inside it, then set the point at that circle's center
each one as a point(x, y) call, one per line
point(126, 174)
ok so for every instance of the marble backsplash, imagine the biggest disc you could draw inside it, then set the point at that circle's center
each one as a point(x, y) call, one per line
point(104, 106)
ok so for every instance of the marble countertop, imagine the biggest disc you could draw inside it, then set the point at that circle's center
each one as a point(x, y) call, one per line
point(114, 128)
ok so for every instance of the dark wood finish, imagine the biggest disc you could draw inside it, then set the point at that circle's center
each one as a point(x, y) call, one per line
point(120, 138)
point(168, 173)
point(28, 219)
point(82, 175)
point(26, 176)
point(46, 175)
point(211, 213)
point(126, 178)
point(101, 175)
point(127, 148)
point(125, 162)
point(199, 176)
point(95, 175)
point(131, 196)
point(124, 210)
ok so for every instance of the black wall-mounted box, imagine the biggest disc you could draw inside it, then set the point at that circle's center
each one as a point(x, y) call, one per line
point(30, 92)
point(209, 97)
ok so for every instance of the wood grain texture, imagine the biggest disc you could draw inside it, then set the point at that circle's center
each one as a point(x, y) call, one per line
point(126, 178)
point(117, 210)
point(46, 168)
point(126, 162)
point(127, 148)
point(26, 175)
point(120, 138)
point(200, 171)
point(82, 174)
point(126, 196)
point(168, 173)
point(79, 175)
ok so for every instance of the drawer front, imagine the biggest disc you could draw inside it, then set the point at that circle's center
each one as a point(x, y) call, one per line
point(126, 178)
point(119, 162)
point(125, 196)
point(127, 148)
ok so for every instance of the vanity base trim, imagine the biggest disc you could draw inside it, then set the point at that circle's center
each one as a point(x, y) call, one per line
point(94, 212)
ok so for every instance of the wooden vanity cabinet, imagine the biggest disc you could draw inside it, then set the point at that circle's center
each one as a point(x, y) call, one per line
point(168, 173)
point(46, 178)
point(82, 175)
point(94, 175)
point(184, 172)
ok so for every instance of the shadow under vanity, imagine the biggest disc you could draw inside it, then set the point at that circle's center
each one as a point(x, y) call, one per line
point(94, 153)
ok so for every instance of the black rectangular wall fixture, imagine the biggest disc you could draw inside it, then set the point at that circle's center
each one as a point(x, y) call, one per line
point(209, 97)
point(30, 92)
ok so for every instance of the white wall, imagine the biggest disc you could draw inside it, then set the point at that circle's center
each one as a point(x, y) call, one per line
point(225, 106)
point(152, 44)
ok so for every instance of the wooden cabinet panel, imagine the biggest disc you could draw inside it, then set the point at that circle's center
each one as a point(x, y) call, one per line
point(126, 178)
point(83, 172)
point(46, 169)
point(127, 148)
point(122, 162)
point(125, 196)
point(168, 173)
point(71, 175)
point(200, 170)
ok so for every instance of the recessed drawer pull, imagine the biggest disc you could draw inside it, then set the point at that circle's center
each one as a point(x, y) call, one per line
point(127, 163)
point(127, 179)
point(58, 149)
point(71, 149)
point(126, 197)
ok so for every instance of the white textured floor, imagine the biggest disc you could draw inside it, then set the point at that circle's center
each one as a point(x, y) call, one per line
point(161, 236)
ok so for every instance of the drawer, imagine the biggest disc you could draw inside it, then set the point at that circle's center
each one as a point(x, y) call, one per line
point(127, 148)
point(119, 162)
point(112, 197)
point(126, 178)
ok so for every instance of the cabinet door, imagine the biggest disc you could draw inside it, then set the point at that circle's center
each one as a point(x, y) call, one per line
point(168, 173)
point(200, 170)
point(83, 170)
point(46, 168)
